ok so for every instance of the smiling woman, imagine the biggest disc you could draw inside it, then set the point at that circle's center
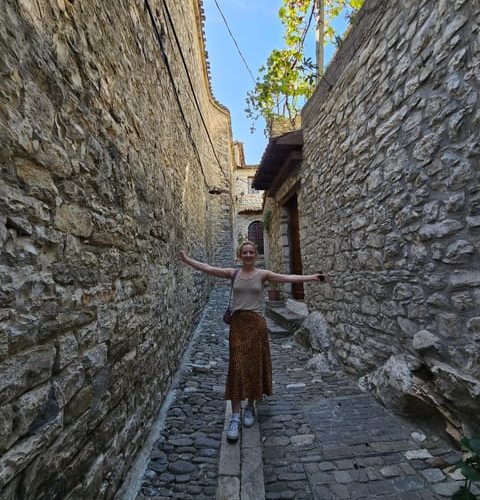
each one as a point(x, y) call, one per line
point(250, 368)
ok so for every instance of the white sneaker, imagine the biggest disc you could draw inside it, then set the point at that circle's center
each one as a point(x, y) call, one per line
point(233, 431)
point(248, 416)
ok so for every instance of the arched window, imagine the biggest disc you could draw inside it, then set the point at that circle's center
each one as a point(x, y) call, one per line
point(255, 234)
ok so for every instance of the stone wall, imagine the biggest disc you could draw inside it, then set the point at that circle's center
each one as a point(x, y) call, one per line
point(248, 206)
point(243, 221)
point(390, 198)
point(273, 240)
point(113, 156)
point(246, 201)
point(278, 254)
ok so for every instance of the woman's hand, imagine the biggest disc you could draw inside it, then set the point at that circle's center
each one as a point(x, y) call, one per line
point(322, 277)
point(182, 256)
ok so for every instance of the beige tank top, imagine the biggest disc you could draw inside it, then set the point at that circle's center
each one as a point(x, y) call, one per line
point(248, 294)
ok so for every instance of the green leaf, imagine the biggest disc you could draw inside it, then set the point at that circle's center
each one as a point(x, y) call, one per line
point(472, 444)
point(356, 4)
point(473, 462)
point(475, 444)
point(463, 494)
point(465, 443)
point(287, 79)
point(470, 473)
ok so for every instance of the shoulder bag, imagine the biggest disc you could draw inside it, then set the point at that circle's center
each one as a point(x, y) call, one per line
point(227, 317)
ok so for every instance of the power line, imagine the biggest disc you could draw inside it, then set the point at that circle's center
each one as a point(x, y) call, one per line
point(192, 88)
point(235, 42)
point(177, 97)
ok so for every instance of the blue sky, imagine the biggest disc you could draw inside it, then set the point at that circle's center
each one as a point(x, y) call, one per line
point(257, 30)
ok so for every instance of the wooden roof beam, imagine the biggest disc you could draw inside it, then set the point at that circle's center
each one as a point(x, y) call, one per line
point(292, 160)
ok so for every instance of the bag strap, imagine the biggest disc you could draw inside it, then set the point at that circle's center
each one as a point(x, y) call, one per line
point(231, 288)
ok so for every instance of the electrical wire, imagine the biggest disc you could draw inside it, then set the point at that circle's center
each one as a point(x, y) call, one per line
point(170, 74)
point(235, 42)
point(192, 88)
point(172, 78)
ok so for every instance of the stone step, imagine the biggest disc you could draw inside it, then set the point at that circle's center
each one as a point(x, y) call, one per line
point(275, 303)
point(285, 318)
point(275, 330)
point(240, 468)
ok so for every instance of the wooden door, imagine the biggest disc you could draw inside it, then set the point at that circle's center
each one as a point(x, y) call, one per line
point(295, 254)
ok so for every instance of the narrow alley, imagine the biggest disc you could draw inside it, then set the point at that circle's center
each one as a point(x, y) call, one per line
point(322, 438)
point(123, 175)
point(183, 461)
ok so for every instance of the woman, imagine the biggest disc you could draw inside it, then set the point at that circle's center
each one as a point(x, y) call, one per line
point(250, 367)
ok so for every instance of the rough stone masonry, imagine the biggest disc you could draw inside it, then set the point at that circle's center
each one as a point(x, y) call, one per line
point(113, 156)
point(390, 205)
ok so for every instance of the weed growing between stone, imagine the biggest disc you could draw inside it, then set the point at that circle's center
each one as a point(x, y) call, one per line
point(469, 467)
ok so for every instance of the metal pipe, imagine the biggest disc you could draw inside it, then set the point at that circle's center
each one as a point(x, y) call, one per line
point(319, 35)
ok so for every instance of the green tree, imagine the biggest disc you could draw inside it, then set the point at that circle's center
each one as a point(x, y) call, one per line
point(288, 77)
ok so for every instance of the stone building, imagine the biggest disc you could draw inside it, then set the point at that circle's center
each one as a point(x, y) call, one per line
point(278, 175)
point(248, 223)
point(114, 155)
point(388, 197)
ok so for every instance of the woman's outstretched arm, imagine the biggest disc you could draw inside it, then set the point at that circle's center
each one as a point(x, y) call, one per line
point(221, 272)
point(294, 278)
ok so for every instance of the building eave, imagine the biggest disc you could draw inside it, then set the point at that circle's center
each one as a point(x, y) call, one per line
point(281, 156)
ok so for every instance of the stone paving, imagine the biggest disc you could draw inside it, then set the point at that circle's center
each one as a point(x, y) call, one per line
point(184, 460)
point(322, 438)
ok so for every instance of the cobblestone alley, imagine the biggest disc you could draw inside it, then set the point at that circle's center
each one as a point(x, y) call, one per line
point(123, 176)
point(321, 437)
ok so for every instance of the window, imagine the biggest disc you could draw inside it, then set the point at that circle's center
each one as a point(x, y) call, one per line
point(255, 234)
point(251, 189)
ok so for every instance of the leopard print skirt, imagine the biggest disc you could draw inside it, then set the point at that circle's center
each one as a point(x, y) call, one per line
point(250, 365)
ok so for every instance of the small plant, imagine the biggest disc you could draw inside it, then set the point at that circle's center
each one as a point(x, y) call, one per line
point(267, 219)
point(469, 467)
point(241, 238)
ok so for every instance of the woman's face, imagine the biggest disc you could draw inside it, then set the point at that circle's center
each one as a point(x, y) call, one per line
point(248, 254)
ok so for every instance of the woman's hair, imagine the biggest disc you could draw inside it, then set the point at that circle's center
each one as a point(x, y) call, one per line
point(247, 242)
